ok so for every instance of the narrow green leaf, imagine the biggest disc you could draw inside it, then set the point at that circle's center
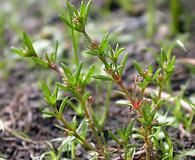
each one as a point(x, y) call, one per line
point(50, 114)
point(138, 67)
point(114, 137)
point(29, 45)
point(63, 19)
point(89, 74)
point(124, 61)
point(91, 53)
point(62, 105)
point(157, 73)
point(77, 108)
point(46, 89)
point(67, 71)
point(55, 94)
point(150, 69)
point(171, 64)
point(82, 9)
point(86, 96)
point(40, 62)
point(102, 77)
point(129, 129)
point(103, 44)
point(87, 8)
point(74, 123)
point(163, 56)
point(52, 101)
point(72, 8)
point(54, 54)
point(121, 134)
point(18, 51)
point(61, 86)
point(131, 153)
point(47, 98)
point(78, 72)
point(119, 52)
point(169, 142)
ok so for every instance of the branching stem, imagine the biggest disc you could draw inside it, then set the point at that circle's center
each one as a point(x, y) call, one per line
point(75, 134)
point(91, 125)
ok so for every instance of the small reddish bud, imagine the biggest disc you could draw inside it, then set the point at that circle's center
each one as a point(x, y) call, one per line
point(117, 78)
point(90, 100)
point(54, 67)
point(66, 132)
point(136, 105)
point(94, 45)
point(160, 77)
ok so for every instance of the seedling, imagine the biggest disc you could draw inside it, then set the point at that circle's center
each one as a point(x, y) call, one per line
point(75, 82)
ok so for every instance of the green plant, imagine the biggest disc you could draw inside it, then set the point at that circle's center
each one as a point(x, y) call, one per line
point(76, 82)
point(175, 9)
point(151, 9)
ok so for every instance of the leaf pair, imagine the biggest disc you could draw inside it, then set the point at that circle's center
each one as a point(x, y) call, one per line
point(51, 99)
point(28, 49)
point(77, 19)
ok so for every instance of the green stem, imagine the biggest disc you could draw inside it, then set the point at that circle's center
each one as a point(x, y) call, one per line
point(159, 97)
point(74, 39)
point(75, 134)
point(175, 13)
point(91, 124)
point(106, 106)
point(120, 83)
point(87, 36)
point(150, 18)
point(148, 142)
point(75, 44)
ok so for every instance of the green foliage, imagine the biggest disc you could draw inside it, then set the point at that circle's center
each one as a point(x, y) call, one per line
point(28, 50)
point(75, 82)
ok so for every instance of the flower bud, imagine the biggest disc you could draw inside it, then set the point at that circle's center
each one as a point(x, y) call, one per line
point(160, 77)
point(94, 45)
point(138, 78)
point(90, 100)
point(165, 65)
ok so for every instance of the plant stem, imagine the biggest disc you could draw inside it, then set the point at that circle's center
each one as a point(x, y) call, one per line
point(119, 81)
point(159, 97)
point(75, 134)
point(106, 106)
point(87, 36)
point(121, 85)
point(148, 143)
point(150, 18)
point(89, 119)
point(75, 44)
point(74, 39)
point(175, 13)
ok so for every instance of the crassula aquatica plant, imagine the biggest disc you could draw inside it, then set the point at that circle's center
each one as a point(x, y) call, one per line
point(75, 83)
